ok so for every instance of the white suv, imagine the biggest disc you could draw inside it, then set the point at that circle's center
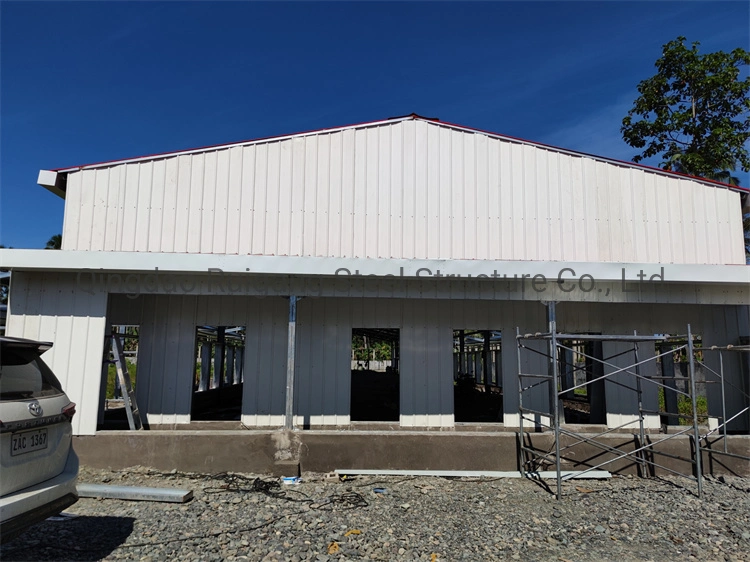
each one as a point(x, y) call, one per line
point(39, 469)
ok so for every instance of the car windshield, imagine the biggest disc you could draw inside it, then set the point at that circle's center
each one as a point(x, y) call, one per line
point(24, 375)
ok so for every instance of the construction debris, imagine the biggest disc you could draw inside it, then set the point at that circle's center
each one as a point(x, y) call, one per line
point(170, 495)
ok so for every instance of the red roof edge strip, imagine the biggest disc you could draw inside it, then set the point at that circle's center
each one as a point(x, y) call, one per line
point(412, 116)
point(602, 158)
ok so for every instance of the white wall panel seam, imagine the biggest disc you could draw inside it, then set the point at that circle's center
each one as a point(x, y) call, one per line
point(436, 209)
point(120, 206)
point(163, 225)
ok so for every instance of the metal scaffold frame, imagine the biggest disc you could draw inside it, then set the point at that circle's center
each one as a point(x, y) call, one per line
point(643, 452)
point(704, 444)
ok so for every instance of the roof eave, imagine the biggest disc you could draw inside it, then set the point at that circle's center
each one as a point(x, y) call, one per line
point(64, 171)
point(54, 181)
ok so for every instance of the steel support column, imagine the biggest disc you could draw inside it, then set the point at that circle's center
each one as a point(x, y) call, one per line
point(290, 353)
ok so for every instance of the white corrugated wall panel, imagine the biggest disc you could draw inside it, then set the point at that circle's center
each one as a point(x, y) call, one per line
point(281, 216)
point(368, 212)
point(169, 209)
point(515, 161)
point(317, 204)
point(48, 307)
point(502, 153)
point(323, 366)
point(410, 189)
point(426, 368)
point(426, 371)
point(247, 203)
point(494, 202)
point(221, 202)
point(482, 203)
point(264, 389)
point(470, 183)
point(234, 201)
point(195, 212)
point(422, 192)
point(553, 210)
point(99, 216)
point(130, 210)
point(735, 243)
point(112, 211)
point(167, 354)
point(84, 226)
point(333, 242)
point(72, 213)
point(275, 200)
point(156, 222)
point(208, 213)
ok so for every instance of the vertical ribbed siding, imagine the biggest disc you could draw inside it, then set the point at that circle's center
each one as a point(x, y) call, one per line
point(48, 307)
point(324, 334)
point(167, 352)
point(409, 189)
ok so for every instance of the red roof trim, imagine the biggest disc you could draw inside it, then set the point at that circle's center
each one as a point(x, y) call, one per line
point(602, 158)
point(411, 116)
point(236, 143)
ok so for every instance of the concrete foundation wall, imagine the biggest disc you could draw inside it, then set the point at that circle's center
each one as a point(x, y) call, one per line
point(323, 451)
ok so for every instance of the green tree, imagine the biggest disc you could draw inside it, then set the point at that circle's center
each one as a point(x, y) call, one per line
point(4, 289)
point(54, 243)
point(4, 283)
point(694, 112)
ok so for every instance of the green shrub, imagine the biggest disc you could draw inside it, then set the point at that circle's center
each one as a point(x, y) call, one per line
point(685, 407)
point(112, 376)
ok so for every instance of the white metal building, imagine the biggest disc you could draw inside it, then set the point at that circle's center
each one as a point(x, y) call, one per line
point(406, 224)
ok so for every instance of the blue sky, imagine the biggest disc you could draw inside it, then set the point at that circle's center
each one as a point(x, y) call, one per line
point(83, 82)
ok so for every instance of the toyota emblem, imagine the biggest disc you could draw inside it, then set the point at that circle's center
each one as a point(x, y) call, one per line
point(35, 409)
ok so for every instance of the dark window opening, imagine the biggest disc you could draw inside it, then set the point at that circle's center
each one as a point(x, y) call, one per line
point(477, 376)
point(375, 374)
point(218, 373)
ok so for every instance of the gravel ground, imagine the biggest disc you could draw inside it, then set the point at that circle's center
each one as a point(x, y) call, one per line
point(237, 517)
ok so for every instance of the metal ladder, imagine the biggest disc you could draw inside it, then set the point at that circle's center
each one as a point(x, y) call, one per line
point(128, 394)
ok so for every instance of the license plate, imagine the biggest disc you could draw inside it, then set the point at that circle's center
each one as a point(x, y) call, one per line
point(28, 441)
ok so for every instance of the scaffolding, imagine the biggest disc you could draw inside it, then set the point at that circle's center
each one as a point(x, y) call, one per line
point(721, 431)
point(643, 452)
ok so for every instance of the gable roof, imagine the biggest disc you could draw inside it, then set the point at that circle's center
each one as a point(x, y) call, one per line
point(413, 116)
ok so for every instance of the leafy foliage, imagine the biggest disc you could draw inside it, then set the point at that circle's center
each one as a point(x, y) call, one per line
point(4, 289)
point(112, 377)
point(365, 350)
point(694, 112)
point(54, 243)
point(685, 407)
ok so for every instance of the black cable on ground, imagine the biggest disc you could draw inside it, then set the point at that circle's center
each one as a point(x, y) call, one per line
point(386, 482)
point(236, 483)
